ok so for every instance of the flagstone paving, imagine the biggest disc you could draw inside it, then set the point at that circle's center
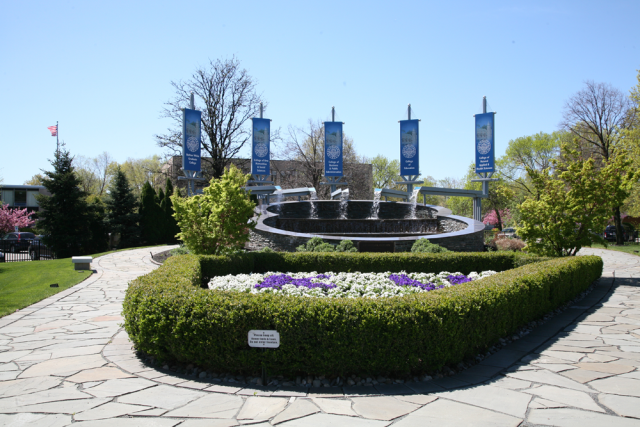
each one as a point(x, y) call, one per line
point(66, 361)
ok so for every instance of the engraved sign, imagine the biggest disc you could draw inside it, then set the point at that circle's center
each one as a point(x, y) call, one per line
point(264, 339)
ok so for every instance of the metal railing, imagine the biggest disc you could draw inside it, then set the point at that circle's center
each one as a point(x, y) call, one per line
point(35, 251)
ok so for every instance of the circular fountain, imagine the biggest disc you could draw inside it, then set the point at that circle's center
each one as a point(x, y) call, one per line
point(373, 226)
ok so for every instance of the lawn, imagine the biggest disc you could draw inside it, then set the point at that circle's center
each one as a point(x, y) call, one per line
point(633, 249)
point(25, 283)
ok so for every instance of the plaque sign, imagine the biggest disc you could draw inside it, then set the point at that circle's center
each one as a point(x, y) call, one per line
point(264, 339)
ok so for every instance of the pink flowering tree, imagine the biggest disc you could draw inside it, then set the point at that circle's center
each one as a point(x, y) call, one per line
point(9, 218)
point(498, 217)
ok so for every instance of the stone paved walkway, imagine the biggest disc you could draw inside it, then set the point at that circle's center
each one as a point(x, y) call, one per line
point(65, 361)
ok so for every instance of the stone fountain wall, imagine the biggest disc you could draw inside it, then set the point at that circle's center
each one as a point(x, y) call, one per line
point(286, 226)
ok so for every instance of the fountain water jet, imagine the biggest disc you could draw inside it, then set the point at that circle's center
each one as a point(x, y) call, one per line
point(313, 197)
point(414, 201)
point(344, 199)
point(375, 207)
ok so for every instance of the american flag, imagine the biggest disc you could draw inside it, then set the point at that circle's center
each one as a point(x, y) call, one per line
point(54, 130)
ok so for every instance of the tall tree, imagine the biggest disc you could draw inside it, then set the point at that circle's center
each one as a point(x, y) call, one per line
point(151, 216)
point(596, 116)
point(631, 141)
point(65, 216)
point(95, 172)
point(171, 226)
point(34, 180)
point(141, 171)
point(533, 152)
point(385, 172)
point(226, 94)
point(99, 241)
point(306, 146)
point(121, 205)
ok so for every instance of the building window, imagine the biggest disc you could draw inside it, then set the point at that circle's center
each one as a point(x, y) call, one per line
point(20, 198)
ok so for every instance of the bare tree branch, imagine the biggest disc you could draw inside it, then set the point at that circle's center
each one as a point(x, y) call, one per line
point(227, 97)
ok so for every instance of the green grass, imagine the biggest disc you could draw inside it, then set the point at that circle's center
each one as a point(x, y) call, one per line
point(25, 283)
point(633, 249)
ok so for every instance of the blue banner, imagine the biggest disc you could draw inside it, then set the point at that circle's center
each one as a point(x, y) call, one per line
point(485, 153)
point(332, 148)
point(261, 147)
point(191, 121)
point(409, 144)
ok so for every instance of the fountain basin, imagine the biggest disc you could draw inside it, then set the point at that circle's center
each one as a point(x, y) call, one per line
point(285, 226)
point(356, 226)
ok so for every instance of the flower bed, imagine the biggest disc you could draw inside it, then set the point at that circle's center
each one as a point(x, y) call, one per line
point(170, 317)
point(342, 285)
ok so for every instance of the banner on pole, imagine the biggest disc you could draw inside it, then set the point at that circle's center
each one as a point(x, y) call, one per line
point(409, 144)
point(485, 153)
point(261, 147)
point(333, 149)
point(191, 121)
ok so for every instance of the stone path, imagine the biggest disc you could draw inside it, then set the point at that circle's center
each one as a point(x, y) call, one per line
point(65, 361)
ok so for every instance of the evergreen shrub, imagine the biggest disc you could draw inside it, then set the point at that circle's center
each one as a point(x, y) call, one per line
point(168, 315)
point(425, 246)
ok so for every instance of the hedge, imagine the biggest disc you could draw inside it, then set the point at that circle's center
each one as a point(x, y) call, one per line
point(169, 316)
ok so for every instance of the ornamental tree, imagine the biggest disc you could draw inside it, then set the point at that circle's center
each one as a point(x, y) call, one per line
point(498, 217)
point(574, 204)
point(218, 221)
point(10, 218)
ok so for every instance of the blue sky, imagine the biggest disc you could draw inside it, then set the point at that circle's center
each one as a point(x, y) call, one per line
point(103, 69)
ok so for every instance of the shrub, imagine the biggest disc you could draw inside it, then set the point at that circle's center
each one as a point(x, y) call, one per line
point(182, 250)
point(346, 246)
point(323, 247)
point(310, 245)
point(506, 244)
point(266, 249)
point(216, 221)
point(169, 317)
point(425, 246)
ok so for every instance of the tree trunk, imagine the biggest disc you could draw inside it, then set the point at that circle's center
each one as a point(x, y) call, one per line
point(619, 228)
point(499, 219)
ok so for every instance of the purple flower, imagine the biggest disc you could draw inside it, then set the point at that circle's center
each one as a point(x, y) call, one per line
point(456, 280)
point(404, 280)
point(277, 281)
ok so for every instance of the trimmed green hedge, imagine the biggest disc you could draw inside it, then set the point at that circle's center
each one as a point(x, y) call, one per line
point(168, 315)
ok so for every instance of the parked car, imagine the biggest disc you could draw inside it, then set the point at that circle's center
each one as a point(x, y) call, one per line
point(16, 241)
point(610, 233)
point(2, 257)
point(508, 232)
point(38, 250)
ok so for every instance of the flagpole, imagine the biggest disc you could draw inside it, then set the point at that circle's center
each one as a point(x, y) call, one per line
point(57, 139)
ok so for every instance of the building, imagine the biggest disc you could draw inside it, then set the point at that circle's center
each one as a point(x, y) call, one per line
point(22, 196)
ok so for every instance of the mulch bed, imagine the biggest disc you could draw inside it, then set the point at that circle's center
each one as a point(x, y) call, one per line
point(161, 257)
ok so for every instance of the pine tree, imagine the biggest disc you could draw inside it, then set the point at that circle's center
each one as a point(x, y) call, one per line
point(99, 231)
point(151, 216)
point(121, 211)
point(171, 226)
point(65, 217)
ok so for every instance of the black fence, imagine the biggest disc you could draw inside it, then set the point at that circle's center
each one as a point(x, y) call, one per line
point(33, 251)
